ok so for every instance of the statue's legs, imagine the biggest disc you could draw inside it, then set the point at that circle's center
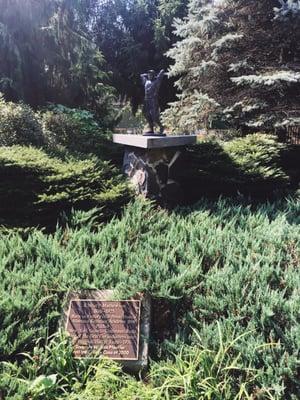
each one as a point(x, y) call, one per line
point(161, 127)
point(157, 121)
point(151, 124)
point(148, 116)
point(151, 112)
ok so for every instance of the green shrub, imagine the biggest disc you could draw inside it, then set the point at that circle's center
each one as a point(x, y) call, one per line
point(258, 157)
point(251, 165)
point(19, 125)
point(219, 261)
point(110, 382)
point(57, 129)
point(36, 187)
point(78, 131)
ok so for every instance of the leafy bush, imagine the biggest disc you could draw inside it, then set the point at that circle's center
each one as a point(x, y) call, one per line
point(258, 157)
point(249, 165)
point(19, 125)
point(219, 261)
point(57, 129)
point(74, 129)
point(36, 187)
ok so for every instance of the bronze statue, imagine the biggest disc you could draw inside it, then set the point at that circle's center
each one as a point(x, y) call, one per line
point(152, 83)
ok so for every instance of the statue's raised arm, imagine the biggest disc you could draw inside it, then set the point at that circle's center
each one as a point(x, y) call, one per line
point(161, 75)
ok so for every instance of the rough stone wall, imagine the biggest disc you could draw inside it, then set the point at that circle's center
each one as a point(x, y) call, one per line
point(153, 172)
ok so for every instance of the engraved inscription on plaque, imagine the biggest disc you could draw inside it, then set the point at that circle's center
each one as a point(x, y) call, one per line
point(108, 327)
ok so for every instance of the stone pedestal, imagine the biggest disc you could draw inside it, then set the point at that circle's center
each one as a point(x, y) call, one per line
point(152, 163)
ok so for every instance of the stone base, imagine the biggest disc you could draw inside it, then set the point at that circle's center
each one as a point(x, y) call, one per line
point(152, 163)
point(153, 171)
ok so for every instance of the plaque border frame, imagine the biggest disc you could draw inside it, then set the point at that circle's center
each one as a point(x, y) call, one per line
point(109, 301)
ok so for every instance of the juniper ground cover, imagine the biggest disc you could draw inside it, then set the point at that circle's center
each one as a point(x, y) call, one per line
point(227, 270)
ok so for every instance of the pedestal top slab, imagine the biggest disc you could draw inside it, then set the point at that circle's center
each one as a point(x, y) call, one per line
point(154, 142)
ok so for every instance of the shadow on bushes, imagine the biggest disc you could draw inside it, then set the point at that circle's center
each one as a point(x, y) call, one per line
point(36, 188)
point(256, 166)
point(290, 159)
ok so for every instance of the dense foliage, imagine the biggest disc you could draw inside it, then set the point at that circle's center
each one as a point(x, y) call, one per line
point(133, 36)
point(223, 274)
point(217, 262)
point(56, 128)
point(36, 187)
point(47, 55)
point(77, 131)
point(52, 51)
point(257, 165)
point(19, 125)
point(237, 62)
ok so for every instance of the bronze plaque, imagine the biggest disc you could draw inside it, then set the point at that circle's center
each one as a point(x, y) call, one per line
point(111, 327)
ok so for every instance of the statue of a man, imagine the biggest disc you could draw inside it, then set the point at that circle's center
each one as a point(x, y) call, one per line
point(152, 83)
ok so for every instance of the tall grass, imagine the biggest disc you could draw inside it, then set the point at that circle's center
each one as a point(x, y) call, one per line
point(192, 373)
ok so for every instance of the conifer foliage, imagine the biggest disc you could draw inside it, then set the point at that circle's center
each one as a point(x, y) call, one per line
point(36, 187)
point(239, 62)
point(47, 55)
point(222, 264)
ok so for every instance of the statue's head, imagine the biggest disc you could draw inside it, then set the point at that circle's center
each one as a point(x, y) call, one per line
point(151, 74)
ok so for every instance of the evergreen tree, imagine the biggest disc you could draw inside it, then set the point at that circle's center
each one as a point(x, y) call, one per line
point(133, 36)
point(47, 54)
point(239, 62)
